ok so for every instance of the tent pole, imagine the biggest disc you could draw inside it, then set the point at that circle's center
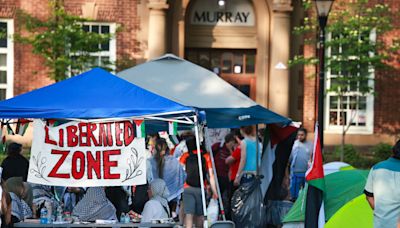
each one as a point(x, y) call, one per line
point(221, 205)
point(203, 194)
point(257, 152)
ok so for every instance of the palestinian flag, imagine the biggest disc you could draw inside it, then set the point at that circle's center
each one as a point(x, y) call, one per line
point(2, 139)
point(10, 131)
point(315, 213)
point(22, 125)
point(172, 128)
point(140, 128)
point(277, 146)
point(55, 123)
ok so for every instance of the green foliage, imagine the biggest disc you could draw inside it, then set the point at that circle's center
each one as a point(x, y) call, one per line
point(359, 157)
point(351, 156)
point(354, 52)
point(125, 62)
point(3, 33)
point(61, 41)
point(381, 151)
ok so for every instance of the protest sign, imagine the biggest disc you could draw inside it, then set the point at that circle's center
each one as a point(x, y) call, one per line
point(87, 154)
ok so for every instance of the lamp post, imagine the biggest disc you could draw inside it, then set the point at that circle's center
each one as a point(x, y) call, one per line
point(323, 9)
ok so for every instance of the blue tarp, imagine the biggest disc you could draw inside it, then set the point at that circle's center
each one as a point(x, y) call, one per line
point(93, 94)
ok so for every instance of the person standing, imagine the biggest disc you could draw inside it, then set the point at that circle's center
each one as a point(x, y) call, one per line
point(221, 153)
point(299, 158)
point(15, 164)
point(192, 194)
point(248, 156)
point(382, 190)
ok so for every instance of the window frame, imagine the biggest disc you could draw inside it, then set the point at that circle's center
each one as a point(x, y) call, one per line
point(112, 52)
point(369, 123)
point(9, 51)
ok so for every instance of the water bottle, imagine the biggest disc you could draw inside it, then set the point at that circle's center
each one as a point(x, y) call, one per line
point(122, 218)
point(127, 218)
point(59, 214)
point(50, 211)
point(43, 215)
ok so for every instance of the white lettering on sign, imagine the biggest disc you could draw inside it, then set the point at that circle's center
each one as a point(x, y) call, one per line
point(234, 13)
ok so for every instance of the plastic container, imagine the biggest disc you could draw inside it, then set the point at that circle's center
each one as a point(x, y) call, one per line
point(59, 214)
point(43, 215)
point(122, 218)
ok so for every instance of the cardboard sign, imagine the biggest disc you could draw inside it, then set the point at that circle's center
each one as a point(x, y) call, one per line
point(82, 154)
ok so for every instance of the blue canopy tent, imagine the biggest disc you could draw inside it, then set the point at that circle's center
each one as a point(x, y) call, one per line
point(97, 94)
point(93, 94)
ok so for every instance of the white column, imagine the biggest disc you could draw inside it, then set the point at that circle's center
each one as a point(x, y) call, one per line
point(157, 28)
point(280, 51)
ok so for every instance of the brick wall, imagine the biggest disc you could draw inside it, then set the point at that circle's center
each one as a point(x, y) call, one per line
point(387, 98)
point(29, 71)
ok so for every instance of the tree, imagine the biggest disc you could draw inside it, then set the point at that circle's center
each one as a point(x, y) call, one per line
point(61, 40)
point(356, 50)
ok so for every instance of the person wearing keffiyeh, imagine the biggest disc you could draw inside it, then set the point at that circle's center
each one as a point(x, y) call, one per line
point(94, 205)
point(19, 208)
point(157, 206)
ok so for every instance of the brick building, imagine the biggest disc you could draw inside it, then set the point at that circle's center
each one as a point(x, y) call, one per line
point(247, 42)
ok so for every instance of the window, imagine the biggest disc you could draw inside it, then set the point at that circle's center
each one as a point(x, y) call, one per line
point(353, 108)
point(6, 59)
point(107, 54)
point(236, 66)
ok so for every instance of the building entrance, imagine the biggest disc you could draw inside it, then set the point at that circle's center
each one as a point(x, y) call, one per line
point(236, 66)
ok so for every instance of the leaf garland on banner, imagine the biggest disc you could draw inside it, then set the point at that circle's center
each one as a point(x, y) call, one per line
point(134, 162)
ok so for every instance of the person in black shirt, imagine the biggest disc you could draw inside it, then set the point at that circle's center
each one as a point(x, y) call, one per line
point(15, 164)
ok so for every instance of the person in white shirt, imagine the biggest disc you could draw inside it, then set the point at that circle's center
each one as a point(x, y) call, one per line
point(299, 159)
point(157, 206)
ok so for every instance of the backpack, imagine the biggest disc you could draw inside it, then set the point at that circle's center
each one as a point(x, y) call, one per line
point(192, 169)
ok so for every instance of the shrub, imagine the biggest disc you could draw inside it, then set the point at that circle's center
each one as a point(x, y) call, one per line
point(350, 156)
point(381, 151)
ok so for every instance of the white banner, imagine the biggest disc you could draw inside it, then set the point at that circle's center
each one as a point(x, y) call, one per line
point(84, 154)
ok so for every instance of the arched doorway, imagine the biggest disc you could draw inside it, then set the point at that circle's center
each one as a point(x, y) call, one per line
point(232, 41)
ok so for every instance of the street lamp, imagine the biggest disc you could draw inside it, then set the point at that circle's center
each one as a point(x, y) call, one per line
point(323, 9)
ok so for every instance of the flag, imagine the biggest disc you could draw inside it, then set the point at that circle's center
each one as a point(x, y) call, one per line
point(277, 145)
point(172, 128)
point(2, 138)
point(22, 125)
point(9, 129)
point(140, 128)
point(315, 213)
point(55, 122)
point(174, 139)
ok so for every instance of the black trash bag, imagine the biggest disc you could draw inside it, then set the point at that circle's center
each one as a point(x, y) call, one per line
point(248, 209)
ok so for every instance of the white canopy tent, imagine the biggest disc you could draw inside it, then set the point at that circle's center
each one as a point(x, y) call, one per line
point(194, 86)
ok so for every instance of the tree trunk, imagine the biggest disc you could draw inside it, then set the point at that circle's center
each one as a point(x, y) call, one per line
point(343, 143)
point(343, 129)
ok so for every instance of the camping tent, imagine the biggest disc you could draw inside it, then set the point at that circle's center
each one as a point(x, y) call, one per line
point(341, 187)
point(355, 213)
point(336, 166)
point(195, 86)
